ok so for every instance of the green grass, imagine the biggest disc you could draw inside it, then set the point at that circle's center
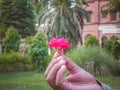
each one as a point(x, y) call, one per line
point(23, 81)
point(36, 81)
point(114, 82)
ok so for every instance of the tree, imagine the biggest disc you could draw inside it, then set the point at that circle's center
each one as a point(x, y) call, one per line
point(38, 5)
point(114, 6)
point(11, 41)
point(63, 18)
point(17, 13)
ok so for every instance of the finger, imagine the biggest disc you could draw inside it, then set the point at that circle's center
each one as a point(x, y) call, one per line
point(52, 63)
point(53, 72)
point(60, 75)
point(71, 66)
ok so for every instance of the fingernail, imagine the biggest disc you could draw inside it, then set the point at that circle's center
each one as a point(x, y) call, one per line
point(63, 67)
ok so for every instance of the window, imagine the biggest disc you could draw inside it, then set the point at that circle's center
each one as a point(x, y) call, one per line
point(90, 15)
point(113, 16)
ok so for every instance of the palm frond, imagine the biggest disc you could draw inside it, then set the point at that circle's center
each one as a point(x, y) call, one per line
point(64, 18)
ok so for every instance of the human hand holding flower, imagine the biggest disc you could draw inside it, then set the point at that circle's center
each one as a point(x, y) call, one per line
point(78, 79)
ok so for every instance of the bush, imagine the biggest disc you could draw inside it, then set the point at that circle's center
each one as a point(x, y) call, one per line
point(14, 62)
point(115, 68)
point(113, 47)
point(38, 51)
point(92, 59)
point(11, 41)
point(91, 41)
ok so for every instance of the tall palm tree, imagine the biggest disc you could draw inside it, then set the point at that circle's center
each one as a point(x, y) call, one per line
point(63, 18)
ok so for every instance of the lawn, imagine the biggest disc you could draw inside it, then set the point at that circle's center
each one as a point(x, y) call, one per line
point(23, 81)
point(112, 81)
point(36, 81)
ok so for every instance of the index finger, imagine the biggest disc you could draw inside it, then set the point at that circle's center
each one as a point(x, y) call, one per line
point(56, 58)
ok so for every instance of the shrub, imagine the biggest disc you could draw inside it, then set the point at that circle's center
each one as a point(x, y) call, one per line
point(14, 62)
point(91, 41)
point(113, 47)
point(115, 68)
point(38, 51)
point(11, 41)
point(92, 59)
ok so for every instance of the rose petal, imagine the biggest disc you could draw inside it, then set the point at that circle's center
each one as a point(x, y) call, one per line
point(59, 43)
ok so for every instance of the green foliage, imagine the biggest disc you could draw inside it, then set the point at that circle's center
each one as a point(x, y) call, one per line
point(17, 13)
point(63, 19)
point(92, 59)
point(2, 30)
point(38, 50)
point(14, 62)
point(114, 6)
point(91, 41)
point(11, 41)
point(113, 47)
point(29, 39)
point(115, 68)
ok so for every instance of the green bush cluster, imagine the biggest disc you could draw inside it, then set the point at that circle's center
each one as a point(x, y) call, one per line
point(38, 51)
point(91, 41)
point(113, 47)
point(95, 60)
point(11, 41)
point(14, 62)
point(115, 68)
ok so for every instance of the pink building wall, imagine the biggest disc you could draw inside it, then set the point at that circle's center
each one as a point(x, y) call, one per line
point(99, 26)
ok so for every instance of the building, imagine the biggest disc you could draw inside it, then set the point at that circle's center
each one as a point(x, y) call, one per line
point(100, 25)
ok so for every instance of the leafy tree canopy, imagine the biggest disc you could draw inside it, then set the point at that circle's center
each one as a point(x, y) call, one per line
point(17, 13)
point(114, 5)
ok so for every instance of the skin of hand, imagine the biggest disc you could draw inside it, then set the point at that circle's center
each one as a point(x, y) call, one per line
point(78, 79)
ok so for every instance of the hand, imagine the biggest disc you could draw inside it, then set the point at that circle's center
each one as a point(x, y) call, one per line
point(78, 79)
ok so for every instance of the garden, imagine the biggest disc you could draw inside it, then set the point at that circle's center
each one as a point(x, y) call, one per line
point(24, 51)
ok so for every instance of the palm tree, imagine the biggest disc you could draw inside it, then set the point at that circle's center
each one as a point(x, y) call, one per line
point(63, 18)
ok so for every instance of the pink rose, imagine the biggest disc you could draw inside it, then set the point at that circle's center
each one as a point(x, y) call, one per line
point(59, 43)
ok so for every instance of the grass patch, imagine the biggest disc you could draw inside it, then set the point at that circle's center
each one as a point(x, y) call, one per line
point(114, 82)
point(36, 81)
point(23, 81)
